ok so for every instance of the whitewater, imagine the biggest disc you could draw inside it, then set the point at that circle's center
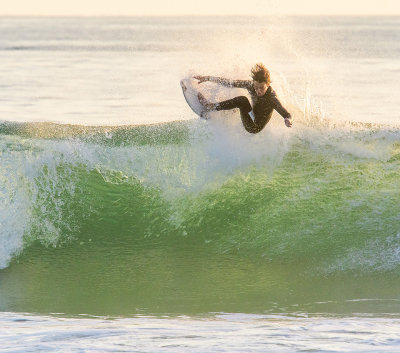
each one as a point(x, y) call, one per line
point(126, 221)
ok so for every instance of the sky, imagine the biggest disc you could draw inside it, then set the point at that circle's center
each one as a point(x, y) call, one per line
point(199, 7)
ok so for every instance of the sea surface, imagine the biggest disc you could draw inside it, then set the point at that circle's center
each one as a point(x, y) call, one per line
point(128, 224)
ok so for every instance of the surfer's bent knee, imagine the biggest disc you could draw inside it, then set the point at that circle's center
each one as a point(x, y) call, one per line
point(243, 102)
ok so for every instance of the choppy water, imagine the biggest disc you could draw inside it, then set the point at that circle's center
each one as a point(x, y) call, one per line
point(139, 210)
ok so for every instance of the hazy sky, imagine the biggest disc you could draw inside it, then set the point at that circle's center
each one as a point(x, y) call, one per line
point(200, 7)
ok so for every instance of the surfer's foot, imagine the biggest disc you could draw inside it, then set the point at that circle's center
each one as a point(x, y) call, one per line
point(205, 103)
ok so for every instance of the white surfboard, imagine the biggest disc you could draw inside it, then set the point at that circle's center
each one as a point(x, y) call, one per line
point(190, 92)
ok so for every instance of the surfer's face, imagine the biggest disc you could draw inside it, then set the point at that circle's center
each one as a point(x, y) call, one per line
point(260, 88)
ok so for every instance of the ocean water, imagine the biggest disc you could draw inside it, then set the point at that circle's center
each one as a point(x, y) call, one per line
point(128, 224)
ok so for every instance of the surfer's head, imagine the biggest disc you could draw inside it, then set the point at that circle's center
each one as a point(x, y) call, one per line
point(261, 78)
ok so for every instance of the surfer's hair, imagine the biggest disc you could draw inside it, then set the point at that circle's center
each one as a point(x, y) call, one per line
point(260, 73)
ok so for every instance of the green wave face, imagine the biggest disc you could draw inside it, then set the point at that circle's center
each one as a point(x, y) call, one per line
point(194, 218)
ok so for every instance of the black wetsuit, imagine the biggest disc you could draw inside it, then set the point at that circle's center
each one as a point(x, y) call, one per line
point(262, 106)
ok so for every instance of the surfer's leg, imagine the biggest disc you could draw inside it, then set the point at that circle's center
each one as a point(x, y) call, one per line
point(240, 102)
point(246, 112)
point(205, 103)
point(248, 122)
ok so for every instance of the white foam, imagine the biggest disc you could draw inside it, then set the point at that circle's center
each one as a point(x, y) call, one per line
point(219, 333)
point(14, 199)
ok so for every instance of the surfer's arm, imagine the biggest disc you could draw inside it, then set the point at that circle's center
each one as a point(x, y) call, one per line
point(280, 109)
point(230, 83)
point(224, 81)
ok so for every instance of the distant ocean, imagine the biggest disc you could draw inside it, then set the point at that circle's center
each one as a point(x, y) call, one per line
point(128, 224)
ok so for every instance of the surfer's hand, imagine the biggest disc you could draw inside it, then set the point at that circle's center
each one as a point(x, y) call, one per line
point(288, 123)
point(201, 78)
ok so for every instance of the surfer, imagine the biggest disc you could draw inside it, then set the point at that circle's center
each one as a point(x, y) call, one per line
point(264, 99)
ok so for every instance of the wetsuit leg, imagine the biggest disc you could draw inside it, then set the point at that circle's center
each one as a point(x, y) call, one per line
point(240, 102)
point(244, 106)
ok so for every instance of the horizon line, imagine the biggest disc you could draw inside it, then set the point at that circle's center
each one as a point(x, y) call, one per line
point(202, 15)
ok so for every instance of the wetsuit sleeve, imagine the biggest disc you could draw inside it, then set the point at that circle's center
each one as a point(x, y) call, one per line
point(279, 107)
point(230, 83)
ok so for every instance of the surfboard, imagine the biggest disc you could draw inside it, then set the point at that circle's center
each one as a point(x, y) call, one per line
point(190, 92)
